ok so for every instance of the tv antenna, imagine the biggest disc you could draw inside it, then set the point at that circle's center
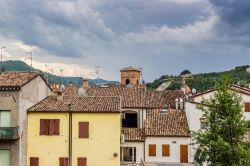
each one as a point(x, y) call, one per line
point(2, 56)
point(31, 58)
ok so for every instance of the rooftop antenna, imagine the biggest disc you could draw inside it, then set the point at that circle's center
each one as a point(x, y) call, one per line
point(61, 70)
point(142, 80)
point(30, 53)
point(2, 56)
point(97, 71)
point(46, 72)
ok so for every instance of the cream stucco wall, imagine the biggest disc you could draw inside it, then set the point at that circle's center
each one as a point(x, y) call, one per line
point(30, 94)
point(174, 149)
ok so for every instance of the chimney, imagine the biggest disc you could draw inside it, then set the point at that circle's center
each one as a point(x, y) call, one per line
point(176, 104)
point(85, 83)
point(2, 69)
point(181, 104)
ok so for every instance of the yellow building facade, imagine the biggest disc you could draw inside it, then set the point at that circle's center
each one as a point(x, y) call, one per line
point(100, 148)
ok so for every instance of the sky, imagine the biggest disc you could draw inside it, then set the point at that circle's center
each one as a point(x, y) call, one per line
point(162, 37)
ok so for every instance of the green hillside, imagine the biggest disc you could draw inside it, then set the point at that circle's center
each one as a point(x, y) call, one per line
point(203, 81)
point(22, 66)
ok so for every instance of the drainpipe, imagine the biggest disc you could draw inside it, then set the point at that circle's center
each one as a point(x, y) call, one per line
point(70, 132)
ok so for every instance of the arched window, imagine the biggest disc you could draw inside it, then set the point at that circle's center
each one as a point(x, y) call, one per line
point(127, 81)
point(137, 81)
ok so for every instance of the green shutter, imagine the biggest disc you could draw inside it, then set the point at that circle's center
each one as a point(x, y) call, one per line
point(5, 157)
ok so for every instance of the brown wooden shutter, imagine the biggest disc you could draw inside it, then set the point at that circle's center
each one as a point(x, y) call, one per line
point(42, 127)
point(82, 161)
point(46, 128)
point(83, 129)
point(152, 149)
point(165, 150)
point(56, 126)
point(51, 126)
point(63, 161)
point(34, 161)
point(247, 106)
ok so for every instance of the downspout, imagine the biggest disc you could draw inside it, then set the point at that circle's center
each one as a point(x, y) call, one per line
point(70, 133)
point(144, 135)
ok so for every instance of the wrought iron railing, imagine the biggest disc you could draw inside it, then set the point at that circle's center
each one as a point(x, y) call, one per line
point(8, 133)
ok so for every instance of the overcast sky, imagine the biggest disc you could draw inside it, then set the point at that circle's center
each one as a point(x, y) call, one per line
point(161, 36)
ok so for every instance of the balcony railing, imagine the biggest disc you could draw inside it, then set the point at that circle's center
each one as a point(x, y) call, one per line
point(9, 133)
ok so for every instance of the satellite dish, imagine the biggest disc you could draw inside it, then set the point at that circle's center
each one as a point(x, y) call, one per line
point(62, 88)
point(194, 91)
point(81, 92)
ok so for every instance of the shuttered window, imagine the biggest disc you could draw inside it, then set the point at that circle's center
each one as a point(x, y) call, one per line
point(247, 106)
point(165, 150)
point(63, 161)
point(34, 161)
point(152, 149)
point(49, 126)
point(83, 129)
point(81, 161)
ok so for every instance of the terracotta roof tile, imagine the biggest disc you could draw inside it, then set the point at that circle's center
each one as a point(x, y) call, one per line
point(79, 104)
point(16, 79)
point(170, 123)
point(138, 97)
point(133, 134)
point(71, 91)
point(130, 68)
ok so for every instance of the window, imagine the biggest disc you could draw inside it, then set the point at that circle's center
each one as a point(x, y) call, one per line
point(5, 157)
point(130, 119)
point(5, 119)
point(127, 81)
point(152, 149)
point(247, 106)
point(34, 161)
point(83, 129)
point(248, 124)
point(128, 154)
point(81, 161)
point(63, 161)
point(165, 150)
point(49, 126)
point(203, 123)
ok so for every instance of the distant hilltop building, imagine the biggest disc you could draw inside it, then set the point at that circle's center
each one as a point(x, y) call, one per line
point(248, 69)
point(130, 75)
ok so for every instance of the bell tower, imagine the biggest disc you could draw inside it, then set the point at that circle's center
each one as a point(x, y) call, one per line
point(130, 75)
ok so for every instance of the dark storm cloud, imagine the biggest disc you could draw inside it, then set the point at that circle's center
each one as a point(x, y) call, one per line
point(65, 28)
point(235, 18)
point(233, 12)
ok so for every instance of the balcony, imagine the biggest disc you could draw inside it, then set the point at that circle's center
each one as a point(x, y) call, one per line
point(9, 133)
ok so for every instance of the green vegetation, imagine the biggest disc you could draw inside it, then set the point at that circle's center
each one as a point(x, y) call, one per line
point(221, 143)
point(204, 81)
point(22, 66)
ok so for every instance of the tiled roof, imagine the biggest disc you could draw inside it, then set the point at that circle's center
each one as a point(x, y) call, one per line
point(169, 123)
point(132, 97)
point(79, 104)
point(71, 91)
point(138, 97)
point(16, 79)
point(241, 89)
point(130, 68)
point(133, 134)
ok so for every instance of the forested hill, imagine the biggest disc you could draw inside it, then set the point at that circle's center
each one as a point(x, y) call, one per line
point(22, 66)
point(203, 81)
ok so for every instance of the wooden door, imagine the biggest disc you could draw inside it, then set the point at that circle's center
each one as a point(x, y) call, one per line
point(184, 153)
